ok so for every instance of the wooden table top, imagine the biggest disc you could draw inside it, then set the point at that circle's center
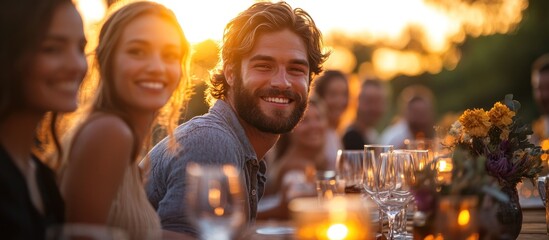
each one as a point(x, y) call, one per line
point(533, 227)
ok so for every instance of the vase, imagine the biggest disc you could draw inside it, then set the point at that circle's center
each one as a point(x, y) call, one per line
point(509, 214)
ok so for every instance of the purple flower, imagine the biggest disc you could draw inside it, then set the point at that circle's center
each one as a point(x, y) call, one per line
point(498, 164)
point(425, 199)
point(504, 146)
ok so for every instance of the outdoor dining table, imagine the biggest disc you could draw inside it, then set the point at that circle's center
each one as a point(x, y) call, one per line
point(533, 224)
point(533, 227)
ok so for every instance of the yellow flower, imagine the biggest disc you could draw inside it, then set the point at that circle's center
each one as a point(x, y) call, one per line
point(504, 134)
point(475, 122)
point(500, 115)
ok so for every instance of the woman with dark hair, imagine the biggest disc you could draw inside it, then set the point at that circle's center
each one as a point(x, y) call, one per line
point(298, 155)
point(141, 63)
point(41, 68)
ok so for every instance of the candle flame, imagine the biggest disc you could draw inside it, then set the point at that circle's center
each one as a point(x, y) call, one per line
point(474, 236)
point(337, 231)
point(214, 197)
point(219, 211)
point(445, 165)
point(464, 217)
point(442, 166)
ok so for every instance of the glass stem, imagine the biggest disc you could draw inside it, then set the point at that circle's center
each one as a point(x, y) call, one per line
point(391, 215)
point(380, 221)
point(402, 221)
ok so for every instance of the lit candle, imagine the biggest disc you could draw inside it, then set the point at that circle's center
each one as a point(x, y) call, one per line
point(342, 217)
point(456, 218)
point(444, 168)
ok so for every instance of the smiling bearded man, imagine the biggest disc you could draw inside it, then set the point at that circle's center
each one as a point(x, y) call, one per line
point(270, 54)
point(247, 107)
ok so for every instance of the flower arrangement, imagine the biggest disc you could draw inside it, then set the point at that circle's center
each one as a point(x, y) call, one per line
point(501, 138)
point(468, 178)
point(490, 154)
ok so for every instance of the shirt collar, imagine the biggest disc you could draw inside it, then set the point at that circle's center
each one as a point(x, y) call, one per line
point(225, 111)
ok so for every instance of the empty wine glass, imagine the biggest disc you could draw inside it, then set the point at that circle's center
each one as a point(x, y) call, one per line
point(434, 146)
point(420, 159)
point(393, 185)
point(216, 200)
point(350, 167)
point(371, 170)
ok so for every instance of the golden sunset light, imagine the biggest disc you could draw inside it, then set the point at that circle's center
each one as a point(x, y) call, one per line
point(92, 11)
point(408, 37)
point(273, 119)
point(201, 20)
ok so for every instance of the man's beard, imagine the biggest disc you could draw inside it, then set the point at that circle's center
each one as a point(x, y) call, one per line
point(247, 107)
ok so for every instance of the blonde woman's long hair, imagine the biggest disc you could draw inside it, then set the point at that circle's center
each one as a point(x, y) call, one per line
point(97, 93)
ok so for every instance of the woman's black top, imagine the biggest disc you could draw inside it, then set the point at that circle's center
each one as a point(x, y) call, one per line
point(19, 219)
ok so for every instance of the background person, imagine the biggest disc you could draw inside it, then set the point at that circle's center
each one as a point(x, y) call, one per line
point(298, 156)
point(416, 120)
point(540, 91)
point(372, 106)
point(332, 88)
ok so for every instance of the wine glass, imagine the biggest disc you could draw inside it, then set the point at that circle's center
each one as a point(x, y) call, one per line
point(350, 168)
point(420, 160)
point(392, 194)
point(434, 146)
point(371, 170)
point(216, 200)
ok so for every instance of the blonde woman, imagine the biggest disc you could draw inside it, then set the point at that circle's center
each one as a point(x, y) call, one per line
point(141, 61)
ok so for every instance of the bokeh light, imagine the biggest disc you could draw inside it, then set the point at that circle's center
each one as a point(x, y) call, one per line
point(407, 37)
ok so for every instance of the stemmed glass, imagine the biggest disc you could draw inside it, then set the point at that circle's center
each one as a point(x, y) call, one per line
point(433, 145)
point(420, 159)
point(216, 200)
point(393, 185)
point(350, 167)
point(371, 169)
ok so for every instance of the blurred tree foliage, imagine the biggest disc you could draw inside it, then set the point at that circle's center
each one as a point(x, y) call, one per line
point(491, 67)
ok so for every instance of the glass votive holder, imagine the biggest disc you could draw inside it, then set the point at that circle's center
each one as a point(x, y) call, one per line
point(456, 218)
point(444, 170)
point(342, 217)
point(329, 188)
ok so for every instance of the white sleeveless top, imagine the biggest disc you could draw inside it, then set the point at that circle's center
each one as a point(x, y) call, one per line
point(131, 210)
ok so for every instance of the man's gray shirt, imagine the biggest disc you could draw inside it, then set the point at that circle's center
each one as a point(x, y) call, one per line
point(213, 138)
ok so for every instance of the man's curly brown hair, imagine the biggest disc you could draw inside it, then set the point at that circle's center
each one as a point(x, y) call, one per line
point(241, 33)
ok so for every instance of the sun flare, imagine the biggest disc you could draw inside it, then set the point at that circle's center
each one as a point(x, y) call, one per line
point(406, 36)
